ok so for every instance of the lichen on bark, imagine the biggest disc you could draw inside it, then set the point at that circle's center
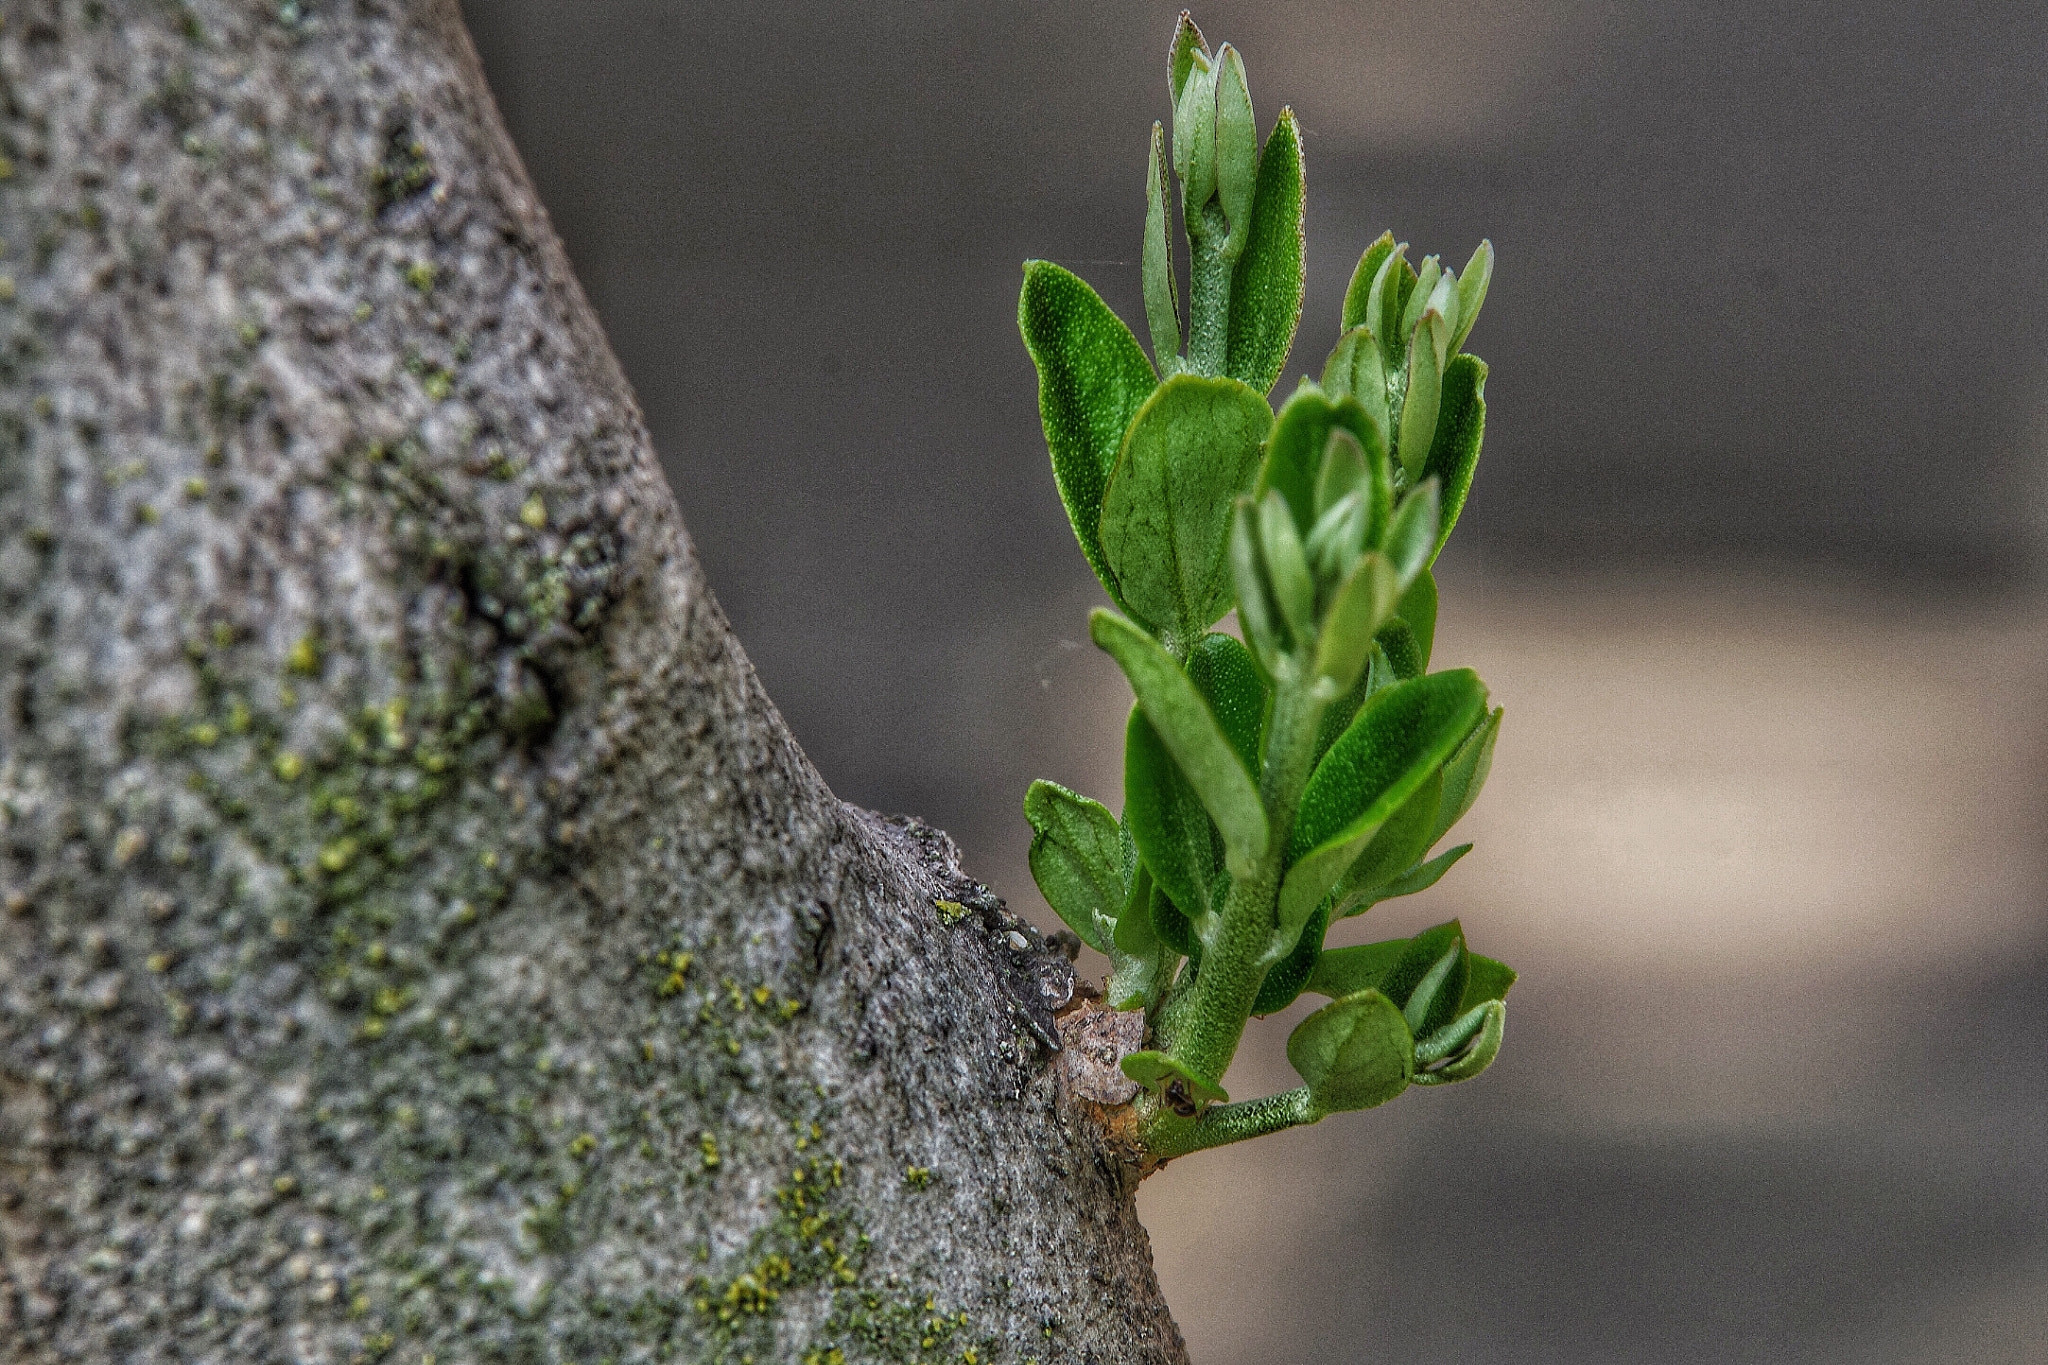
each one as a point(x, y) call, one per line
point(420, 936)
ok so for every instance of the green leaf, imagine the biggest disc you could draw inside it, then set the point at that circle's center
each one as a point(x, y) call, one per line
point(1173, 831)
point(1191, 734)
point(1174, 929)
point(1140, 963)
point(1426, 279)
point(1187, 44)
point(1346, 971)
point(1092, 379)
point(1294, 589)
point(1162, 293)
point(1266, 284)
point(1451, 1039)
point(1074, 858)
point(1285, 979)
point(1257, 613)
point(1477, 1054)
point(1404, 655)
point(1222, 670)
point(1191, 449)
point(1401, 736)
point(1421, 877)
point(1411, 540)
point(1418, 609)
point(1362, 604)
point(1419, 408)
point(1384, 304)
point(1358, 293)
point(1194, 142)
point(1355, 1052)
point(1156, 1071)
point(1466, 772)
point(1472, 292)
point(1237, 153)
point(1489, 980)
point(1343, 474)
point(1356, 369)
point(1429, 980)
point(1405, 837)
point(1460, 426)
point(1296, 445)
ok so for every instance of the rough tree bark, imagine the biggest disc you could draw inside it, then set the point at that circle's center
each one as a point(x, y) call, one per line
point(422, 939)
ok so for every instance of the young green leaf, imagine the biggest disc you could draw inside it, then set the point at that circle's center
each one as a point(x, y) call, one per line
point(1191, 734)
point(1188, 44)
point(1466, 772)
point(1223, 672)
point(1343, 473)
point(1074, 858)
point(1405, 837)
point(1454, 449)
point(1299, 439)
point(1426, 279)
point(1346, 971)
point(1192, 448)
point(1354, 1052)
point(1141, 963)
point(1417, 608)
point(1237, 152)
point(1256, 611)
point(1434, 1001)
point(1286, 978)
point(1419, 408)
point(1174, 929)
point(1472, 292)
point(1421, 877)
point(1411, 540)
point(1401, 736)
point(1489, 980)
point(1162, 293)
point(1358, 311)
point(1266, 284)
point(1404, 655)
point(1429, 980)
point(1450, 1039)
point(1194, 142)
point(1156, 1071)
point(1357, 369)
point(1173, 831)
point(1092, 379)
point(1385, 302)
point(1477, 1054)
point(1361, 606)
point(1294, 589)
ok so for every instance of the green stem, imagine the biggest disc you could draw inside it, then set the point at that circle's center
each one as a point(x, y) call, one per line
point(1209, 272)
point(1169, 1135)
point(1203, 1029)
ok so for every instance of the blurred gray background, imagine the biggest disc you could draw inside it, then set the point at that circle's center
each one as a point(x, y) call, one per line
point(1752, 560)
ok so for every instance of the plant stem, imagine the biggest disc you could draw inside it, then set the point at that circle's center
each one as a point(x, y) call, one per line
point(1204, 1028)
point(1209, 272)
point(1170, 1135)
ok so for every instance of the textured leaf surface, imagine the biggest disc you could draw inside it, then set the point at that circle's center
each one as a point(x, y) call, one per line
point(1356, 313)
point(1092, 379)
point(1355, 1052)
point(1174, 833)
point(1191, 449)
point(1294, 453)
point(1191, 734)
point(1346, 971)
point(1265, 286)
point(1074, 859)
point(1286, 978)
point(1421, 877)
point(1156, 1071)
point(1400, 737)
point(1454, 451)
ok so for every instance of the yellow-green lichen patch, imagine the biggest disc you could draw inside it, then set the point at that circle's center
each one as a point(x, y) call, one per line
point(949, 912)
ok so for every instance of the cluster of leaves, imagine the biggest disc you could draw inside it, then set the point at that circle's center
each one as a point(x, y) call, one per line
point(1305, 773)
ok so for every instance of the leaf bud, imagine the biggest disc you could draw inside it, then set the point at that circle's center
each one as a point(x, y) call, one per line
point(1237, 149)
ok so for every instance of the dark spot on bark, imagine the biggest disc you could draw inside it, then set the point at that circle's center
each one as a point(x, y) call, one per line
point(404, 172)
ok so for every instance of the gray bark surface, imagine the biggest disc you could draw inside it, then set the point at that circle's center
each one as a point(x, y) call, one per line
point(421, 939)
